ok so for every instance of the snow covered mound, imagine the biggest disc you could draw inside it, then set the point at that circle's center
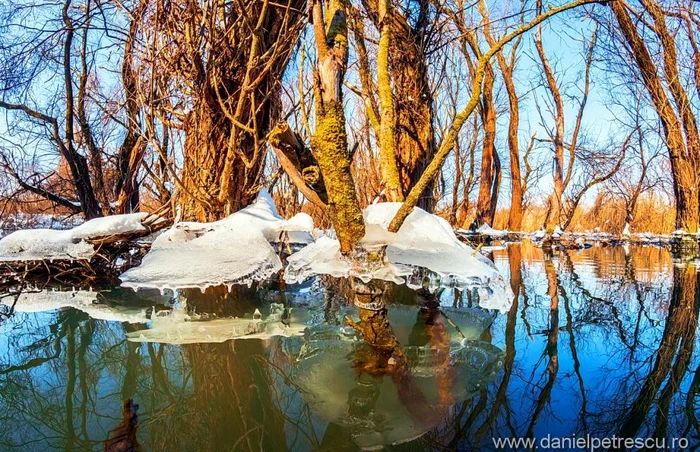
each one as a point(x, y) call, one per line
point(82, 300)
point(424, 242)
point(487, 230)
point(235, 250)
point(39, 244)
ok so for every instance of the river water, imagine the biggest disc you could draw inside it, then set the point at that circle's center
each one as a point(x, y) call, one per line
point(599, 343)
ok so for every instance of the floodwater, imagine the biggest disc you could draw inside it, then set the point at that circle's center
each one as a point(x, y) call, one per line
point(599, 343)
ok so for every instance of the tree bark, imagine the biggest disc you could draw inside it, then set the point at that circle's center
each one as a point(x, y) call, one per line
point(447, 144)
point(299, 163)
point(133, 148)
point(413, 108)
point(76, 162)
point(233, 68)
point(556, 199)
point(387, 127)
point(490, 164)
point(330, 143)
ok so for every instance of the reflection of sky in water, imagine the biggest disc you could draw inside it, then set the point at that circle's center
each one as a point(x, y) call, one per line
point(248, 394)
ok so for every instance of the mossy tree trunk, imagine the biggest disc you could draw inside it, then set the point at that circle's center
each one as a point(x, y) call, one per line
point(387, 127)
point(330, 143)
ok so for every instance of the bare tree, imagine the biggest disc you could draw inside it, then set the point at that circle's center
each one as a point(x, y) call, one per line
point(24, 62)
point(641, 28)
point(638, 174)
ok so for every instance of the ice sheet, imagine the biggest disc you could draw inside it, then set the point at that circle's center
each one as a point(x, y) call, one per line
point(424, 241)
point(82, 300)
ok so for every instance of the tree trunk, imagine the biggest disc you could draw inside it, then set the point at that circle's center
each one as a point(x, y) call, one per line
point(515, 216)
point(490, 164)
point(233, 68)
point(132, 149)
point(208, 132)
point(330, 142)
point(413, 108)
point(414, 104)
point(556, 199)
point(76, 162)
point(387, 127)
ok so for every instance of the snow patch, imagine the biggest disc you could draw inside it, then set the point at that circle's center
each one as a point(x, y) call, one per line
point(485, 229)
point(51, 244)
point(235, 250)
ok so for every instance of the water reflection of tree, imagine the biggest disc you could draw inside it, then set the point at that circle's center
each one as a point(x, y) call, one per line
point(551, 352)
point(671, 362)
point(238, 395)
point(501, 402)
point(47, 382)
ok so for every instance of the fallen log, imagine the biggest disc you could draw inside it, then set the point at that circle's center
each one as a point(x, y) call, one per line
point(93, 253)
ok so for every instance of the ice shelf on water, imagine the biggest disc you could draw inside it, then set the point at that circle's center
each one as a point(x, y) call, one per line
point(71, 244)
point(82, 300)
point(234, 250)
point(381, 410)
point(180, 328)
point(424, 242)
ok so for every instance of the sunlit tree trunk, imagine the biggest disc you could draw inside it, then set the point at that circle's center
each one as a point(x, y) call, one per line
point(555, 202)
point(405, 95)
point(515, 216)
point(451, 135)
point(490, 165)
point(330, 142)
point(414, 102)
point(387, 125)
point(132, 149)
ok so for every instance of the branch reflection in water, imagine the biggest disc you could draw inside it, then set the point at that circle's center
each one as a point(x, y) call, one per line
point(601, 341)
